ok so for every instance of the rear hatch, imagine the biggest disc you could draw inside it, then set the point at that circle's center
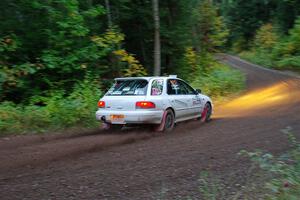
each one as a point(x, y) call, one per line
point(122, 103)
point(124, 94)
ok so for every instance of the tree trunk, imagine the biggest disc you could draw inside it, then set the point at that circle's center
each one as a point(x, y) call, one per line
point(142, 45)
point(108, 13)
point(157, 56)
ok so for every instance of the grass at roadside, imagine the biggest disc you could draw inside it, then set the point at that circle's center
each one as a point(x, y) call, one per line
point(221, 82)
point(265, 60)
point(57, 111)
point(261, 59)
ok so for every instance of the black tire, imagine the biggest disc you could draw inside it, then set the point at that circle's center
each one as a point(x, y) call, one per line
point(169, 125)
point(168, 122)
point(206, 113)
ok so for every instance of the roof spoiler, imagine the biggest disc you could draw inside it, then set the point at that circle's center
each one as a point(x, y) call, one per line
point(130, 78)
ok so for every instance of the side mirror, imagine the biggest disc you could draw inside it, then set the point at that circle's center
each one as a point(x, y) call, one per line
point(198, 91)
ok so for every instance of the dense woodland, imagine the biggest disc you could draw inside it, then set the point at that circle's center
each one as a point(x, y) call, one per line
point(58, 55)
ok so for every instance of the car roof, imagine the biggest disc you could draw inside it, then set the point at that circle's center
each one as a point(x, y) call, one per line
point(148, 78)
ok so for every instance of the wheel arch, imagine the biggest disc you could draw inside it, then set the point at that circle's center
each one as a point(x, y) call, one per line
point(211, 106)
point(209, 103)
point(172, 109)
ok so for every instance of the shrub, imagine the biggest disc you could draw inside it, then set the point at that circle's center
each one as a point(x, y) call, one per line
point(287, 52)
point(264, 41)
point(285, 169)
point(220, 81)
point(19, 119)
point(258, 57)
point(57, 111)
point(265, 38)
point(270, 51)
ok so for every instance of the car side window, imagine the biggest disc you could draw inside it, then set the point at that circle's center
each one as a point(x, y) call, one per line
point(188, 88)
point(174, 87)
point(157, 87)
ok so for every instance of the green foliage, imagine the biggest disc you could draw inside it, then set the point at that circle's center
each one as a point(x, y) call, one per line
point(135, 19)
point(211, 32)
point(287, 52)
point(258, 57)
point(220, 81)
point(16, 119)
point(214, 78)
point(134, 67)
point(210, 187)
point(245, 17)
point(289, 63)
point(264, 41)
point(286, 13)
point(189, 65)
point(271, 51)
point(265, 38)
point(52, 51)
point(239, 45)
point(264, 31)
point(69, 48)
point(56, 111)
point(285, 169)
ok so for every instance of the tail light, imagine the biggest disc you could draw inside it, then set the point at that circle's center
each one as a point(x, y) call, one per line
point(101, 104)
point(144, 104)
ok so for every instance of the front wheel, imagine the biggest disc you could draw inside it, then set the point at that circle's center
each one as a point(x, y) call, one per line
point(167, 122)
point(206, 113)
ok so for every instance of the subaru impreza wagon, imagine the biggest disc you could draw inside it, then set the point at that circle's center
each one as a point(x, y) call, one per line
point(159, 101)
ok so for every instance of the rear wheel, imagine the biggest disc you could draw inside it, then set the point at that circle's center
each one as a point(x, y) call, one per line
point(167, 123)
point(206, 113)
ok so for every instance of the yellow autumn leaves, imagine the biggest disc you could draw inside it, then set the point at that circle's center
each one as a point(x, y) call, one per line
point(134, 66)
point(114, 38)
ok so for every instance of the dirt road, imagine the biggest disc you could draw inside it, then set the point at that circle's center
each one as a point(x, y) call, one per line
point(135, 164)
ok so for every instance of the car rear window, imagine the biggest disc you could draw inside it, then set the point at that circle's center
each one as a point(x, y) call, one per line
point(136, 87)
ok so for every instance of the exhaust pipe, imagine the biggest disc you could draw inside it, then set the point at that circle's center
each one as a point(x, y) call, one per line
point(103, 119)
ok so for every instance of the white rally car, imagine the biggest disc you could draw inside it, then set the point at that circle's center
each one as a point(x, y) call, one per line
point(160, 101)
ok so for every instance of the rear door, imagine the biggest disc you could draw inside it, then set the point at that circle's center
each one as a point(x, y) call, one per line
point(196, 101)
point(178, 98)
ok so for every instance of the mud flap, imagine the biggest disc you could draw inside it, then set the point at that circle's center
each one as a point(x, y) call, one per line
point(161, 127)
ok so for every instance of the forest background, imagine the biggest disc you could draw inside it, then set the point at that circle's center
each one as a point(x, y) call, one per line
point(58, 57)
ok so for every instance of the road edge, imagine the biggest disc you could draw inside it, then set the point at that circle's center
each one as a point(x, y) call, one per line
point(260, 67)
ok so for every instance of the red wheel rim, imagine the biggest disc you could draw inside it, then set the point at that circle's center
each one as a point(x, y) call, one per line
point(204, 114)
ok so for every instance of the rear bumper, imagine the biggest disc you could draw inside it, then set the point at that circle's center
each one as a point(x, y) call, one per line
point(132, 117)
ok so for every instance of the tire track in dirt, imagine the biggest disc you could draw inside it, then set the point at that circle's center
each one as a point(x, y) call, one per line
point(33, 151)
point(42, 150)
